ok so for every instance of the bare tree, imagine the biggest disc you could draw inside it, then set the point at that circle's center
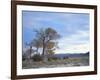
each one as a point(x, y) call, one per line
point(29, 51)
point(34, 45)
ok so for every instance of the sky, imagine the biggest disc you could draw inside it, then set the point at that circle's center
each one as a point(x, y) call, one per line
point(73, 28)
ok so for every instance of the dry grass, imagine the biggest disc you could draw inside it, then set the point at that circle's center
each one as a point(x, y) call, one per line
point(70, 62)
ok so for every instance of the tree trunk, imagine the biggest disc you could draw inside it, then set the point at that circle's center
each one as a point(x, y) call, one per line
point(30, 51)
point(43, 52)
point(37, 49)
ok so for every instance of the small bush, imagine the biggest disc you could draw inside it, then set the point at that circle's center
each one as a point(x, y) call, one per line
point(37, 57)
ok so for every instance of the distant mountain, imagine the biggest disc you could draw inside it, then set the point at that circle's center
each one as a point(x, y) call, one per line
point(70, 55)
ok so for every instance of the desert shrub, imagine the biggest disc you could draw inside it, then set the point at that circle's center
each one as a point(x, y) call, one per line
point(66, 57)
point(37, 57)
point(52, 58)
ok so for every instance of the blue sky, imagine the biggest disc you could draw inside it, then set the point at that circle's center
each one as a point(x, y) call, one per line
point(73, 28)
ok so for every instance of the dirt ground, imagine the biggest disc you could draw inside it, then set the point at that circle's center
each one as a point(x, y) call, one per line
point(81, 61)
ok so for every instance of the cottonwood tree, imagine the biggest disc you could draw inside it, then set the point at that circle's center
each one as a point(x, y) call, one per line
point(47, 40)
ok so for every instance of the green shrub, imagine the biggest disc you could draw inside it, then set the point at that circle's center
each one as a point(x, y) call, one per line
point(37, 57)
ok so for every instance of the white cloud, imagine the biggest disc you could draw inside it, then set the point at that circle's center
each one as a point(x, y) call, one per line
point(81, 48)
point(75, 43)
